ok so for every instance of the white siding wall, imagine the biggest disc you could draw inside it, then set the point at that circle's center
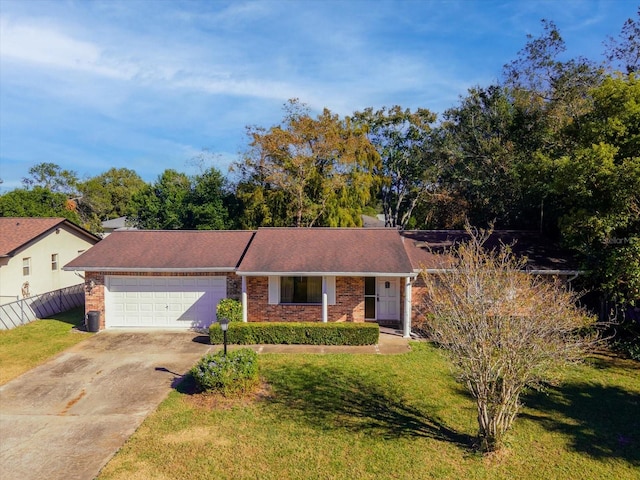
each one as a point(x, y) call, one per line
point(42, 278)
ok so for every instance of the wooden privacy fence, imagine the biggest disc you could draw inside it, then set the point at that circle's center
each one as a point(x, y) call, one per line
point(40, 306)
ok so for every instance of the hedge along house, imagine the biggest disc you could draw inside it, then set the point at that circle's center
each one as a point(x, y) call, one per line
point(327, 274)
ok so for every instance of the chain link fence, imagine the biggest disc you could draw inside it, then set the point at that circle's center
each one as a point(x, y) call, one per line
point(44, 305)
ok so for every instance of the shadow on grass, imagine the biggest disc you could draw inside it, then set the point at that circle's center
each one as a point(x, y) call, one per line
point(185, 384)
point(73, 317)
point(329, 398)
point(602, 422)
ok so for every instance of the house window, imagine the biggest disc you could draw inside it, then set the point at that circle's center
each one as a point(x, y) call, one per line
point(300, 289)
point(26, 266)
point(54, 261)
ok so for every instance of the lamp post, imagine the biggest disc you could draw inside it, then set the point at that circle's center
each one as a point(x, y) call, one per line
point(224, 325)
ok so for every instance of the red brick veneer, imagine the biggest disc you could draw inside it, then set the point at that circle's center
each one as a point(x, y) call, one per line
point(349, 305)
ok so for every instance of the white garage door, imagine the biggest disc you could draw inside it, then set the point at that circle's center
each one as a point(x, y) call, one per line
point(163, 302)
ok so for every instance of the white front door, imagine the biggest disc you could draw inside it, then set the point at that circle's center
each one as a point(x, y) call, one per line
point(388, 299)
point(169, 302)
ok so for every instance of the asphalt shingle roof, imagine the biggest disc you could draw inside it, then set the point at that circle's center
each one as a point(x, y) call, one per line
point(165, 250)
point(428, 248)
point(16, 232)
point(326, 250)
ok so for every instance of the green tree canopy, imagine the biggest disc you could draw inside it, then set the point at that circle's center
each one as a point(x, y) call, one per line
point(598, 185)
point(38, 202)
point(177, 201)
point(307, 171)
point(109, 195)
point(408, 170)
point(478, 148)
point(52, 177)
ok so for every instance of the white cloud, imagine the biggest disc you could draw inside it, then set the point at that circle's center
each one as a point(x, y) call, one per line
point(46, 47)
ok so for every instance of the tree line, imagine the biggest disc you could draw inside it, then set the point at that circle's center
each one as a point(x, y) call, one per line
point(552, 146)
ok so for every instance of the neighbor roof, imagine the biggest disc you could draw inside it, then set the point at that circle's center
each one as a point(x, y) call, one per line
point(165, 250)
point(322, 251)
point(17, 232)
point(425, 249)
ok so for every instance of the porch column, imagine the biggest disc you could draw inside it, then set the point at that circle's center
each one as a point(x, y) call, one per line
point(244, 299)
point(325, 301)
point(406, 330)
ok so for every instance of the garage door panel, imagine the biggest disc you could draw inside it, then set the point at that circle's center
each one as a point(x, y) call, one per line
point(173, 302)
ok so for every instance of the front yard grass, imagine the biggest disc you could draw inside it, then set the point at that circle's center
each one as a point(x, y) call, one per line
point(387, 417)
point(27, 346)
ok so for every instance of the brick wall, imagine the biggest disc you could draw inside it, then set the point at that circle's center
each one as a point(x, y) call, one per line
point(94, 291)
point(349, 305)
point(94, 286)
point(418, 293)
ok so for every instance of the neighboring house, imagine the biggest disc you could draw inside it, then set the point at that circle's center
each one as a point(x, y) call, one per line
point(33, 252)
point(120, 223)
point(176, 278)
point(373, 222)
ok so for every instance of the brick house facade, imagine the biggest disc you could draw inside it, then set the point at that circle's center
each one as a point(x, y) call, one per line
point(349, 305)
point(127, 270)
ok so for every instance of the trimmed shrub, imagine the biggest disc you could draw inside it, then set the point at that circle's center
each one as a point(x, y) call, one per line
point(233, 374)
point(301, 333)
point(230, 309)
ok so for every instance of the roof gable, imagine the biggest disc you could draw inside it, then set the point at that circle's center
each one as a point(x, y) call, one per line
point(168, 250)
point(326, 251)
point(17, 232)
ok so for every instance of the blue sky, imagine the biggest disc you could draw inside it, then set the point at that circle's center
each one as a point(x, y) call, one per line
point(147, 85)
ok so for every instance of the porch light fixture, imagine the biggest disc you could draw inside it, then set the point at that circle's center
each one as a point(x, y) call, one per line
point(224, 325)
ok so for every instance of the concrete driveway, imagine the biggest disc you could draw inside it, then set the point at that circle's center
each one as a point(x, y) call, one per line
point(65, 419)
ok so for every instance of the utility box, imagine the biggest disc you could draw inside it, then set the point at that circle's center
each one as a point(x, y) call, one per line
point(93, 321)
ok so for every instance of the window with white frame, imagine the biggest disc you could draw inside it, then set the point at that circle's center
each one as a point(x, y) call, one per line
point(300, 289)
point(54, 261)
point(26, 266)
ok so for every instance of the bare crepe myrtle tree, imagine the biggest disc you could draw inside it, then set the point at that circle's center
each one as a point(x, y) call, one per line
point(505, 330)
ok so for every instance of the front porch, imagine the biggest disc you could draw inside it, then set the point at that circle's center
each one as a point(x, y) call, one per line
point(385, 300)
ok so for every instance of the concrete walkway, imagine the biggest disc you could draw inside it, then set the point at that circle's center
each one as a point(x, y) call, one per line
point(67, 418)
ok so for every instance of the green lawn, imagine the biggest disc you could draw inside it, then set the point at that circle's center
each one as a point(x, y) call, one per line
point(387, 417)
point(27, 346)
